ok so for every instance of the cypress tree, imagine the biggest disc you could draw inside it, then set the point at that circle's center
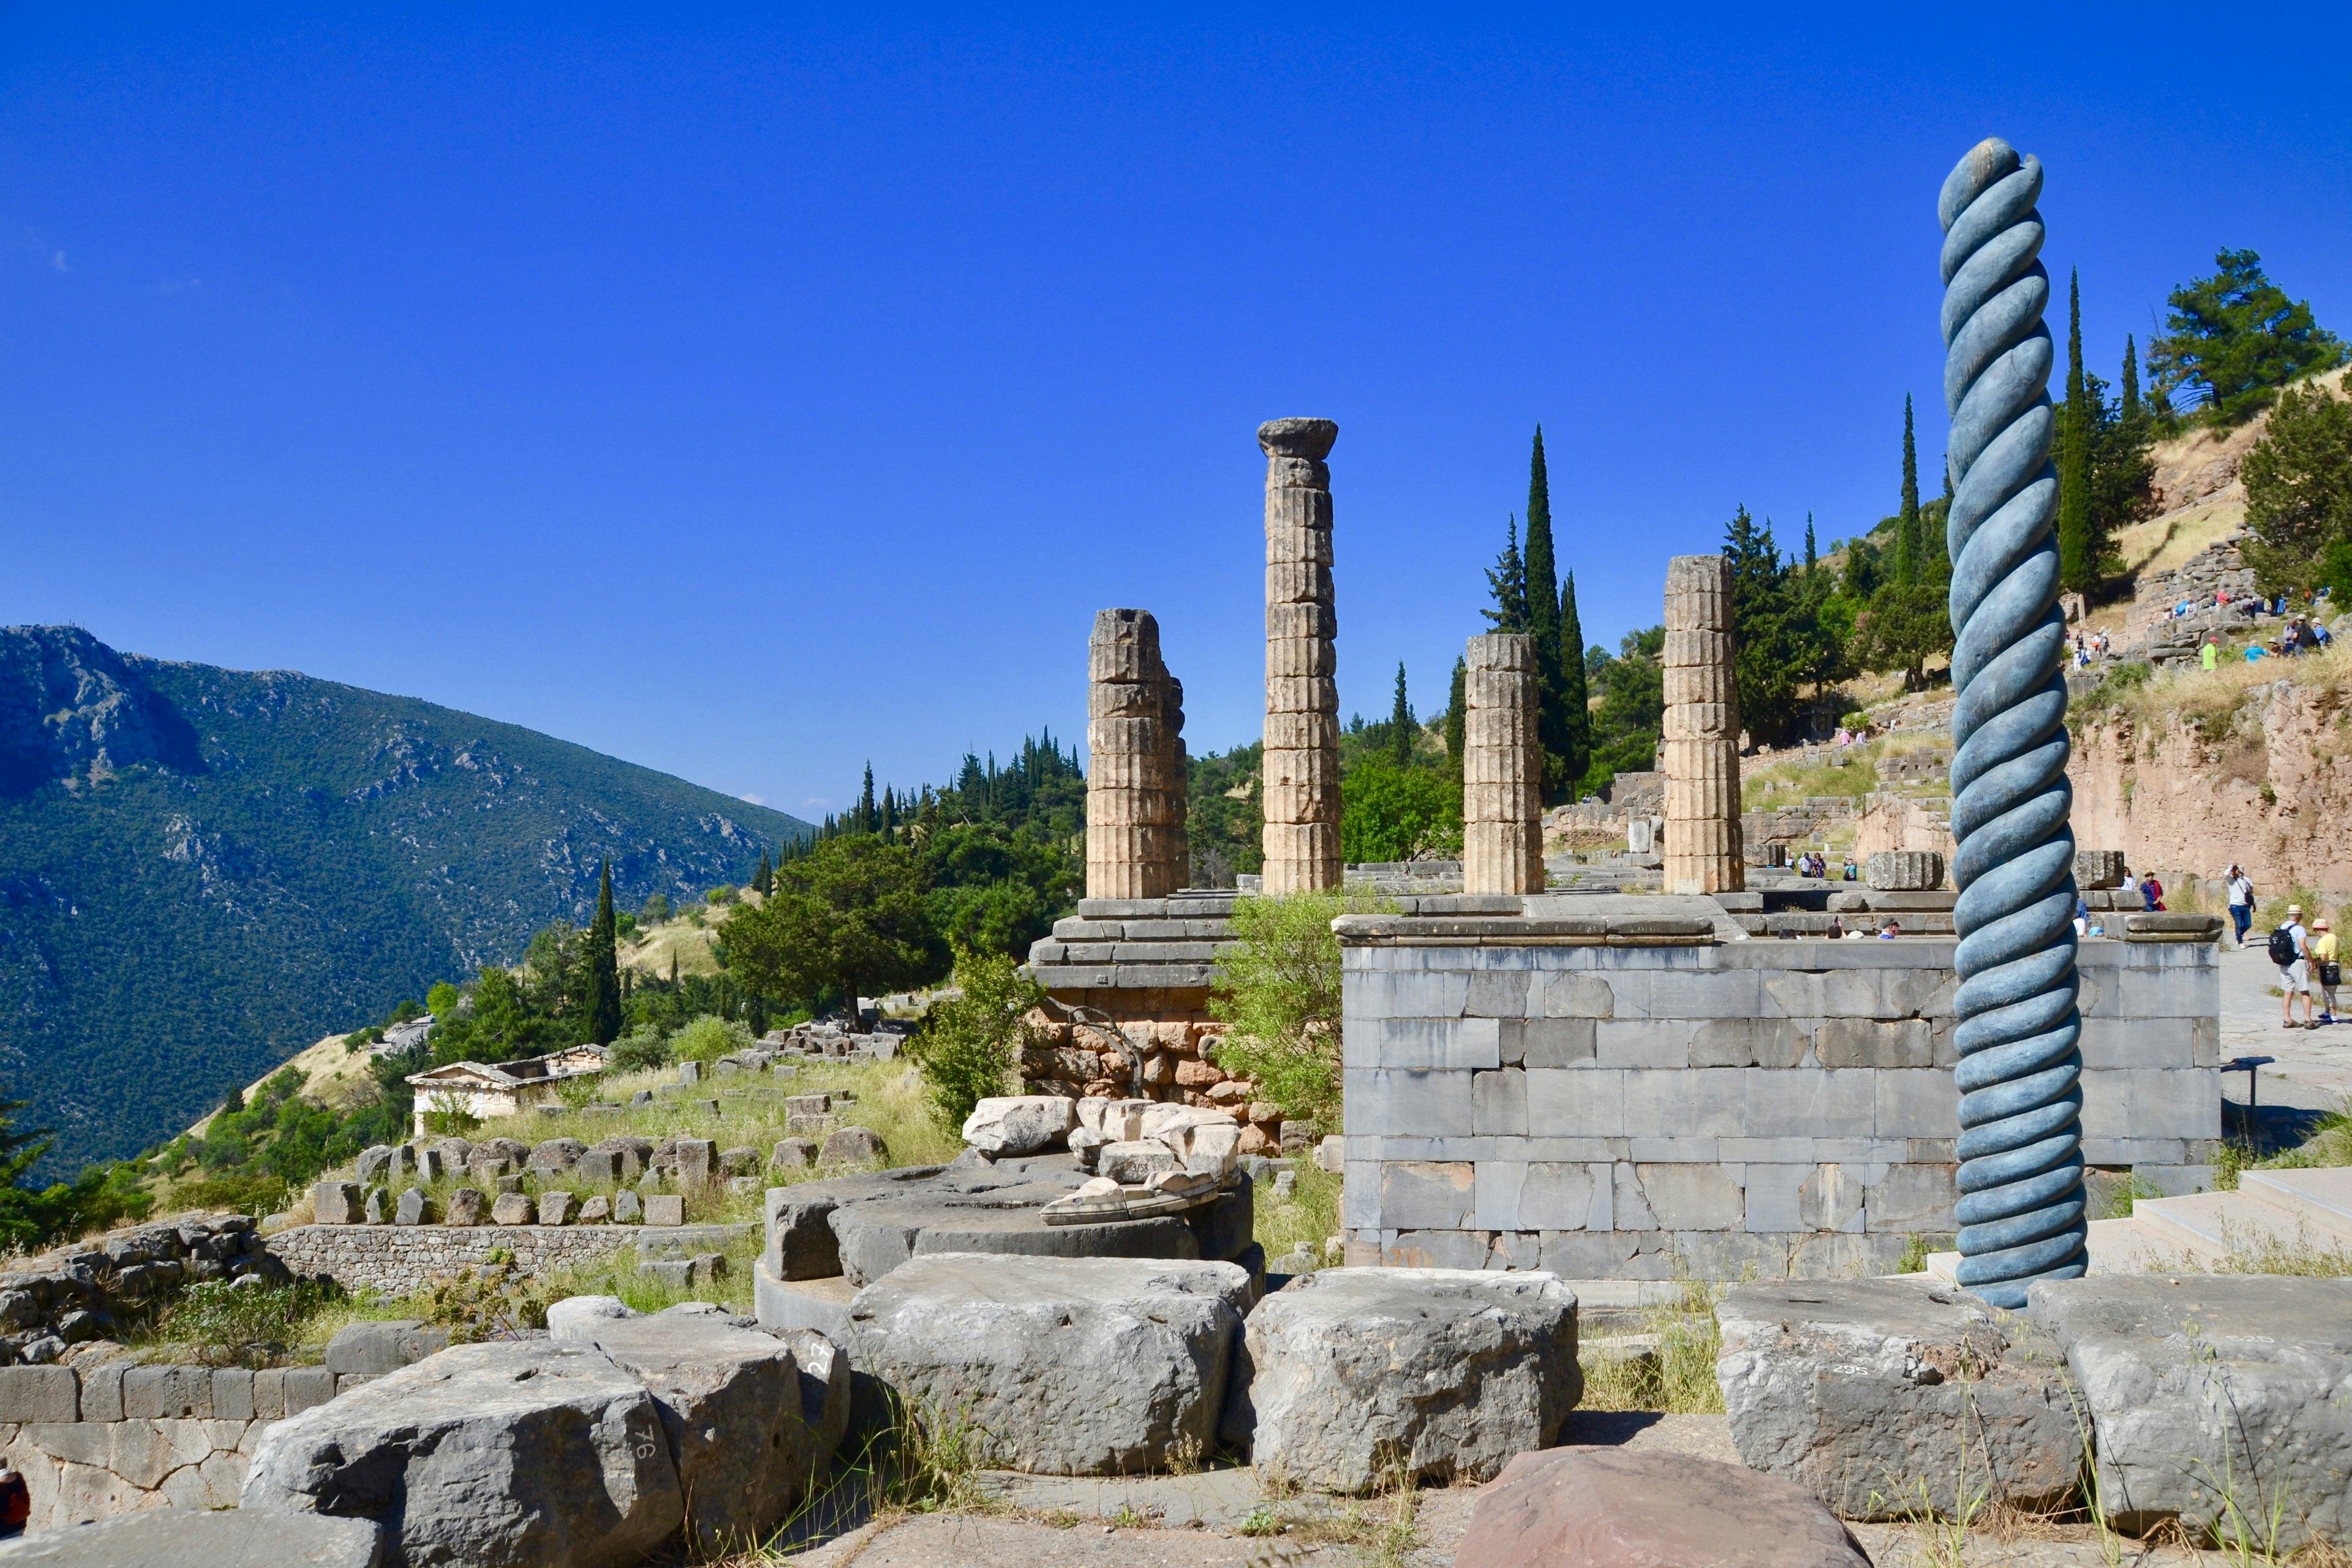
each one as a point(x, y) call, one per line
point(1574, 698)
point(2131, 380)
point(1908, 546)
point(1543, 624)
point(869, 817)
point(603, 999)
point(1401, 724)
point(2078, 553)
point(1812, 555)
point(1457, 714)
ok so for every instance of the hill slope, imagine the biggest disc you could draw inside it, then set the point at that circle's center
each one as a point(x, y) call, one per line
point(201, 868)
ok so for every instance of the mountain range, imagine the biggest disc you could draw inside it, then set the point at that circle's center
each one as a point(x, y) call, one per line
point(201, 870)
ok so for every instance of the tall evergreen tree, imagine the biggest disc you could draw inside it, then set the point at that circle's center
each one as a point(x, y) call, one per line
point(1575, 696)
point(2078, 546)
point(1507, 583)
point(869, 815)
point(603, 999)
point(1813, 552)
point(2132, 409)
point(1401, 724)
point(1911, 550)
point(763, 880)
point(1543, 624)
point(1457, 714)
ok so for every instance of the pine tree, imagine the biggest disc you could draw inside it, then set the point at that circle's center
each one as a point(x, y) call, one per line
point(1401, 724)
point(1457, 714)
point(1507, 583)
point(603, 999)
point(2078, 546)
point(1574, 696)
point(1543, 624)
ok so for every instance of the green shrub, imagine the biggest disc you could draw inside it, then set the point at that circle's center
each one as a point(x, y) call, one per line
point(1278, 992)
point(222, 1324)
point(969, 1048)
point(707, 1038)
point(1391, 813)
point(641, 1049)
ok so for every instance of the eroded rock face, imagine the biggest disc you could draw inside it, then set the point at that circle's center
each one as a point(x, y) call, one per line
point(515, 1454)
point(2204, 1382)
point(1066, 1365)
point(1866, 1392)
point(1604, 1508)
point(1443, 1372)
point(731, 1404)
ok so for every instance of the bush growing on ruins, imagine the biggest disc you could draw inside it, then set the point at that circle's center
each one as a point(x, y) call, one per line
point(642, 1048)
point(707, 1038)
point(1278, 990)
point(969, 1048)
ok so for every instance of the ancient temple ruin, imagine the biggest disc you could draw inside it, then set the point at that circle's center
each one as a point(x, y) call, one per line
point(1302, 688)
point(1136, 846)
point(1702, 730)
point(1502, 769)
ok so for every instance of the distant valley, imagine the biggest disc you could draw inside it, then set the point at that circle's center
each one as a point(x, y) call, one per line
point(202, 868)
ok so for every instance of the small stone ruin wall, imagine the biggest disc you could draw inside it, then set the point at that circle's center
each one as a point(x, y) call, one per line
point(401, 1260)
point(1581, 1096)
point(95, 1442)
point(95, 1288)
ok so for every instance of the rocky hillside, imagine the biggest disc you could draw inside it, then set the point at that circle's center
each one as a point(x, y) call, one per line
point(201, 868)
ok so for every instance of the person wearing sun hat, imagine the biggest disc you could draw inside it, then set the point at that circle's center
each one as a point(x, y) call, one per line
point(2290, 948)
point(2324, 971)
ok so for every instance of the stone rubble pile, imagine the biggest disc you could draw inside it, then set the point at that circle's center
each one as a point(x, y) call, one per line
point(89, 1290)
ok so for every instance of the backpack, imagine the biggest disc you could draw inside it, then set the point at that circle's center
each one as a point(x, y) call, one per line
point(2282, 947)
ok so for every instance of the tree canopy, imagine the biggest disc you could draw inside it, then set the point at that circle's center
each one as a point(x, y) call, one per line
point(2234, 339)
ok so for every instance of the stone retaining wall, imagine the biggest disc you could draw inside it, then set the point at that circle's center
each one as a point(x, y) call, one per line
point(1564, 1094)
point(116, 1439)
point(399, 1259)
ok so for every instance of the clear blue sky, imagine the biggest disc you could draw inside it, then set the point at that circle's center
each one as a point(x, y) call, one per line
point(749, 397)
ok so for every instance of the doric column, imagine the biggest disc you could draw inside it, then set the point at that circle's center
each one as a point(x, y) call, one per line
point(1502, 769)
point(1302, 693)
point(1135, 779)
point(1702, 730)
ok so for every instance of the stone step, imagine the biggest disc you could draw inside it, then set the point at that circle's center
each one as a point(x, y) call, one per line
point(2214, 1225)
point(2323, 1197)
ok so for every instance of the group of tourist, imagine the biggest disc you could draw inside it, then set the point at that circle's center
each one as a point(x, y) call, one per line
point(2305, 956)
point(1813, 863)
point(2088, 645)
point(2301, 635)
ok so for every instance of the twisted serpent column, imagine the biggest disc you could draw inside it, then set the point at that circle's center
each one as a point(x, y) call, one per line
point(1302, 695)
point(2020, 1208)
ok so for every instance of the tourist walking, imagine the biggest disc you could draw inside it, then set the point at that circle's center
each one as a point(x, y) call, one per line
point(2325, 973)
point(2242, 901)
point(2290, 950)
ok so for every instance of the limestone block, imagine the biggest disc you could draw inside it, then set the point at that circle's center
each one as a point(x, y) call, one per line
point(732, 1407)
point(371, 1349)
point(597, 1210)
point(336, 1203)
point(412, 1208)
point(193, 1534)
point(2211, 1381)
point(1442, 1374)
point(1607, 1507)
point(853, 1146)
point(39, 1393)
point(627, 1207)
point(555, 1208)
point(511, 1208)
point(1862, 1390)
point(181, 1393)
point(1290, 736)
point(523, 1454)
point(792, 1154)
point(1905, 871)
point(1135, 1161)
point(466, 1206)
point(664, 1208)
point(2098, 870)
point(1063, 1365)
point(1019, 1124)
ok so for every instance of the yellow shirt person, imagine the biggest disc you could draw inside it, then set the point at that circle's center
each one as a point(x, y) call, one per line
point(2205, 656)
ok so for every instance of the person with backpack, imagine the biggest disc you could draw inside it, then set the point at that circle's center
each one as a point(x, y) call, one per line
point(2242, 901)
point(2328, 974)
point(2290, 950)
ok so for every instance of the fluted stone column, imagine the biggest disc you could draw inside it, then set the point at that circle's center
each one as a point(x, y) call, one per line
point(1702, 730)
point(1302, 692)
point(1136, 844)
point(1502, 769)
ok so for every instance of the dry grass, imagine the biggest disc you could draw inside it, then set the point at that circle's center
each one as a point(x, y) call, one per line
point(1305, 1218)
point(1678, 1376)
point(2209, 702)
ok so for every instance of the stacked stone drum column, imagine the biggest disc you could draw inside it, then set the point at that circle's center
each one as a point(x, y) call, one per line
point(1702, 730)
point(1502, 797)
point(1136, 842)
point(1302, 692)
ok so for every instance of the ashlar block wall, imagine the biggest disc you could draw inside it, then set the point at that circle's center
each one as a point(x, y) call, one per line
point(1595, 1098)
